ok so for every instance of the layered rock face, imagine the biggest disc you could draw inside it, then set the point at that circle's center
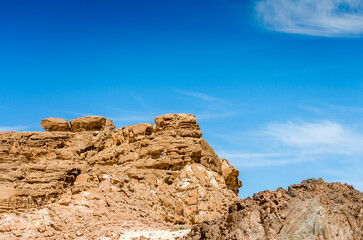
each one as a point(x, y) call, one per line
point(85, 179)
point(312, 210)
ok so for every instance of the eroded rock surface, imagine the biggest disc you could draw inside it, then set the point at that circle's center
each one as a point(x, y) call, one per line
point(82, 124)
point(55, 124)
point(311, 210)
point(89, 179)
point(91, 123)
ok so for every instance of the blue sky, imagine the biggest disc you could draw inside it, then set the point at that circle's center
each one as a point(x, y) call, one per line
point(276, 85)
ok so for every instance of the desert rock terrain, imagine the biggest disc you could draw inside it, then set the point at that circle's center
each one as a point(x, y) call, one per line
point(84, 179)
point(310, 210)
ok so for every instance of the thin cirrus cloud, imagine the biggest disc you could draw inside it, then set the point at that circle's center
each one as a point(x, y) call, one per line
point(13, 128)
point(292, 143)
point(251, 160)
point(212, 108)
point(214, 115)
point(322, 137)
point(201, 96)
point(329, 18)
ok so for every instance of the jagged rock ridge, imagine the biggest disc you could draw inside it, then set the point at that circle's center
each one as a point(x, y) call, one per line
point(311, 210)
point(85, 179)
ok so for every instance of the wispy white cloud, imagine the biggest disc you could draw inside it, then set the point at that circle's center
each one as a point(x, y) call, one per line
point(74, 113)
point(289, 143)
point(311, 109)
point(247, 155)
point(345, 109)
point(251, 160)
point(142, 102)
point(263, 162)
point(214, 115)
point(199, 95)
point(203, 96)
point(323, 137)
point(130, 118)
point(328, 18)
point(12, 128)
point(213, 107)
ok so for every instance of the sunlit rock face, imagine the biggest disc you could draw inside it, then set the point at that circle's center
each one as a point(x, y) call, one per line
point(311, 210)
point(83, 178)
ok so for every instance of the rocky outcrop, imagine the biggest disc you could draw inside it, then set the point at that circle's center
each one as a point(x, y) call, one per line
point(82, 124)
point(55, 124)
point(91, 123)
point(88, 179)
point(312, 210)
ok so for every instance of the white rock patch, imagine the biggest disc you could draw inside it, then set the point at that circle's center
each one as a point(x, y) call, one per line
point(154, 234)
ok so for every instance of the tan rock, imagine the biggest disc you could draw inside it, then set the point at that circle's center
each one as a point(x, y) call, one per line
point(6, 192)
point(55, 124)
point(230, 175)
point(91, 123)
point(184, 125)
point(142, 128)
point(82, 178)
point(98, 179)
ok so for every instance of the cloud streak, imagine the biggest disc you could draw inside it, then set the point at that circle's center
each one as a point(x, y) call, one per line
point(252, 160)
point(329, 18)
point(322, 137)
point(210, 115)
point(13, 128)
point(201, 96)
point(135, 118)
point(296, 142)
point(212, 107)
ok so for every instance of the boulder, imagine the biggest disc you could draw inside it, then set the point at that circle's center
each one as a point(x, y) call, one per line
point(184, 125)
point(55, 124)
point(91, 123)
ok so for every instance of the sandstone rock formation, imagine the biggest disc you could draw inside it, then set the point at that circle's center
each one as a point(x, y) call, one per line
point(55, 124)
point(89, 123)
point(83, 179)
point(312, 210)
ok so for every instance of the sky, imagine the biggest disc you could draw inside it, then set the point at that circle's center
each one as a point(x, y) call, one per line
point(276, 85)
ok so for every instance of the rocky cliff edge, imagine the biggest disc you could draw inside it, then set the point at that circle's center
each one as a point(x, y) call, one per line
point(83, 179)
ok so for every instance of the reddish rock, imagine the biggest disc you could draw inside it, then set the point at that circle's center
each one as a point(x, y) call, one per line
point(311, 210)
